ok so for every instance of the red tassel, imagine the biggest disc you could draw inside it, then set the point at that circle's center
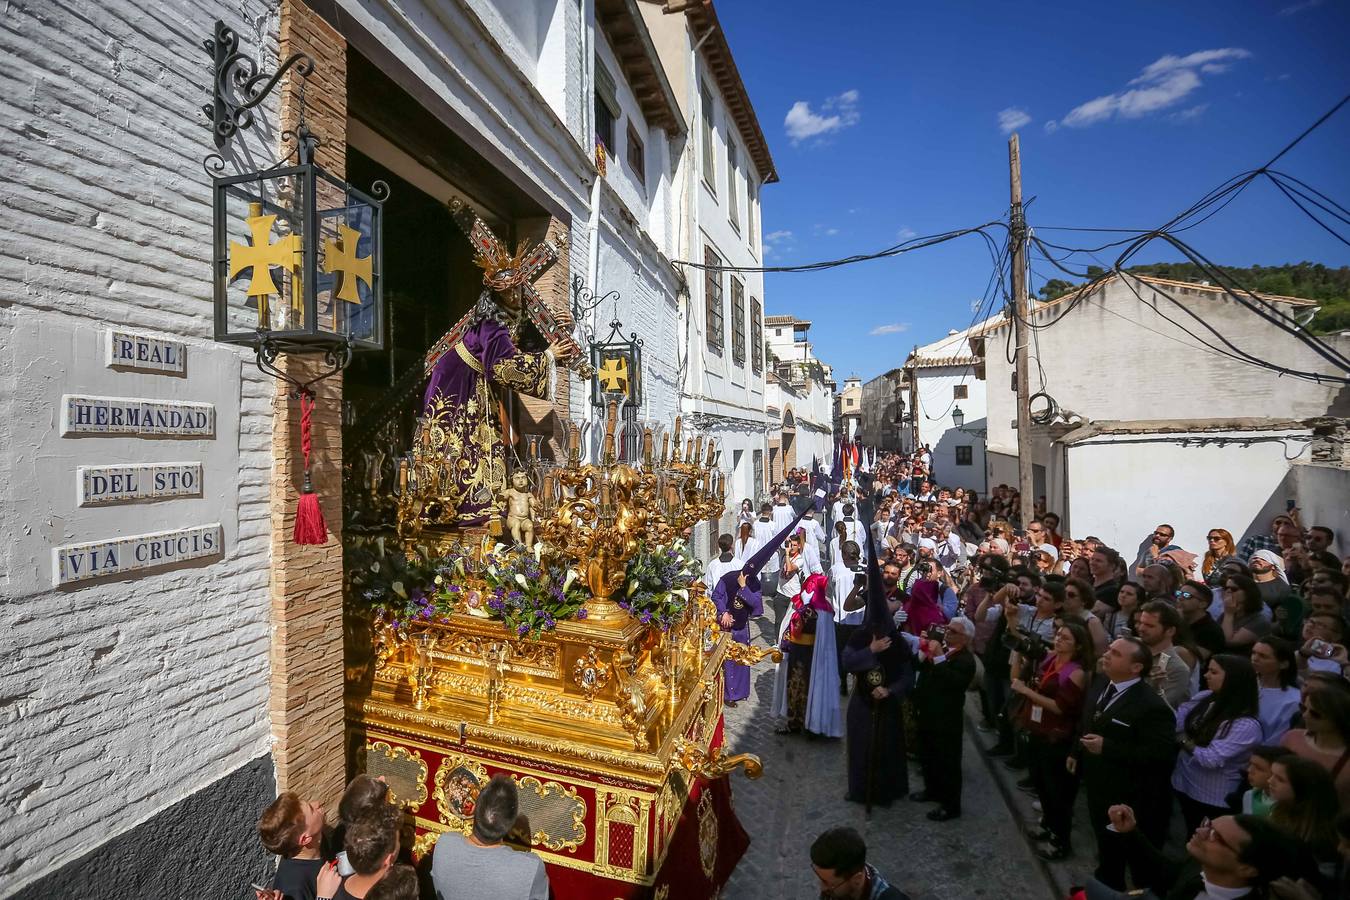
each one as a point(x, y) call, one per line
point(310, 527)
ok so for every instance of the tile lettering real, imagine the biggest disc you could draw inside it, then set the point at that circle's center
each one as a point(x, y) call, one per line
point(143, 353)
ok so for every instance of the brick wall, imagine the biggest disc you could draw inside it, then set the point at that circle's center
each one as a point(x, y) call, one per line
point(120, 698)
point(307, 659)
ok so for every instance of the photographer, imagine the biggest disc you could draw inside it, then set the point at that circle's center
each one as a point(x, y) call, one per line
point(1049, 716)
point(946, 669)
point(1031, 630)
point(997, 655)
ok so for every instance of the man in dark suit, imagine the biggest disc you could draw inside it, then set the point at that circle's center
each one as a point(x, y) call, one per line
point(946, 670)
point(1125, 754)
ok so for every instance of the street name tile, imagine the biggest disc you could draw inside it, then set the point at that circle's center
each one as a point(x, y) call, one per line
point(81, 562)
point(133, 415)
point(104, 485)
point(146, 354)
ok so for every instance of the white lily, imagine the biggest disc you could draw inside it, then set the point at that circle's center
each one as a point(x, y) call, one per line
point(520, 579)
point(572, 575)
point(538, 551)
point(682, 594)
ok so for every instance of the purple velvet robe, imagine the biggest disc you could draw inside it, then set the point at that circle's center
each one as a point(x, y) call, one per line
point(460, 399)
point(743, 604)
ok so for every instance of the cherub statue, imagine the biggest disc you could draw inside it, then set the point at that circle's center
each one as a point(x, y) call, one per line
point(520, 510)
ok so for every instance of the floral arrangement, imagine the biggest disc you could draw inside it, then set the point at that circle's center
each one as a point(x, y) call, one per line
point(404, 589)
point(529, 594)
point(656, 584)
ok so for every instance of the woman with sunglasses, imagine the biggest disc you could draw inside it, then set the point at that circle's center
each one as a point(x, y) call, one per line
point(1243, 623)
point(1325, 735)
point(1221, 550)
point(1217, 729)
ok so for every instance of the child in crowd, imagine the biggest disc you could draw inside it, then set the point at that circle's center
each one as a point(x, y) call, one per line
point(365, 795)
point(293, 829)
point(1257, 800)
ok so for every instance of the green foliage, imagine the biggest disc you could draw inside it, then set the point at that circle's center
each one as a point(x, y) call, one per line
point(1328, 286)
point(405, 588)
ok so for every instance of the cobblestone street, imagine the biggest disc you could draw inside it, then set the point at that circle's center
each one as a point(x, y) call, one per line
point(801, 794)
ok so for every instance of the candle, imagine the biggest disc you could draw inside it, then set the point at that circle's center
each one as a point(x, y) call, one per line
point(698, 451)
point(665, 449)
point(546, 491)
point(689, 450)
point(677, 434)
point(712, 453)
point(574, 439)
point(647, 446)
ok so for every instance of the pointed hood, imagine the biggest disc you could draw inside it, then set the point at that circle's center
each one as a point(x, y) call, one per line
point(837, 470)
point(760, 557)
point(878, 616)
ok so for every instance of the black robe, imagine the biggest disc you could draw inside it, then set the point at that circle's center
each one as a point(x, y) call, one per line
point(876, 737)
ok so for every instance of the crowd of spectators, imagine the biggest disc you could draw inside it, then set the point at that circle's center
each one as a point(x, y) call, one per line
point(1202, 693)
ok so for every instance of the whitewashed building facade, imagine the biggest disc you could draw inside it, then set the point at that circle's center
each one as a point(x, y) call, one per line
point(1148, 414)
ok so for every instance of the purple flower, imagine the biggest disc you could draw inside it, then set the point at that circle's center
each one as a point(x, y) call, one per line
point(581, 613)
point(522, 630)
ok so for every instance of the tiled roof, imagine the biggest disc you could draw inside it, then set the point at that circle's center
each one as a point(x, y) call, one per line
point(1164, 283)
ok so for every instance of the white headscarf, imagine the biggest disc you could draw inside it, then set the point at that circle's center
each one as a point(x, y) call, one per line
point(1274, 559)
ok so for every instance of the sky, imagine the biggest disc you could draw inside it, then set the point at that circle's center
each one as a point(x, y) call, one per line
point(891, 119)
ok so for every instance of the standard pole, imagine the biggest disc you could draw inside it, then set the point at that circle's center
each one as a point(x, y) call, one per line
point(1025, 481)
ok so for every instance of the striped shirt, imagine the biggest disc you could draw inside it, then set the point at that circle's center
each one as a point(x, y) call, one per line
point(1209, 774)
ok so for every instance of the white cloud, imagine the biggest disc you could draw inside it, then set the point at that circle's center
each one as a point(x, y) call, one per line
point(893, 328)
point(1012, 118)
point(1193, 112)
point(836, 113)
point(775, 236)
point(905, 234)
point(831, 231)
point(1162, 84)
point(1300, 7)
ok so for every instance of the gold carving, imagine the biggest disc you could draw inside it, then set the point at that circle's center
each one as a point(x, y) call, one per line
point(748, 654)
point(715, 763)
point(590, 673)
point(404, 771)
point(424, 842)
point(549, 819)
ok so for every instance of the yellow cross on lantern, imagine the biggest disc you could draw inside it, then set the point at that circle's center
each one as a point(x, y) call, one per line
point(338, 258)
point(613, 375)
point(260, 255)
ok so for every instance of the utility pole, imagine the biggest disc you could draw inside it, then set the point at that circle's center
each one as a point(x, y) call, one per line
point(1025, 481)
point(914, 400)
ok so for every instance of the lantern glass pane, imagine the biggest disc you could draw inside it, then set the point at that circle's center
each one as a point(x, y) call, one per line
point(348, 271)
point(264, 253)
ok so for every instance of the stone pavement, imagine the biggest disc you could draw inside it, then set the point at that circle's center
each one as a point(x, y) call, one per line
point(981, 854)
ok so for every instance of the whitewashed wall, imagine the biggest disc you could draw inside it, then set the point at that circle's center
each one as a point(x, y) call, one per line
point(939, 431)
point(1115, 358)
point(1120, 492)
point(123, 696)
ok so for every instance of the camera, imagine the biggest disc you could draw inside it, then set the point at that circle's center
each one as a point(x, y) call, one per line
point(1322, 649)
point(925, 567)
point(1031, 647)
point(860, 577)
point(992, 579)
point(936, 633)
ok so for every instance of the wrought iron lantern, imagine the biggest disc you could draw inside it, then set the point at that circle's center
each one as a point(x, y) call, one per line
point(296, 252)
point(958, 417)
point(617, 369)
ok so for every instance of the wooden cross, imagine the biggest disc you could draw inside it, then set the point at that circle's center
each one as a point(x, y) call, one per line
point(349, 266)
point(260, 255)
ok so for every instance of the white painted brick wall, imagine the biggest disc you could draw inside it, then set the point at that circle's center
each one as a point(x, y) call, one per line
point(120, 698)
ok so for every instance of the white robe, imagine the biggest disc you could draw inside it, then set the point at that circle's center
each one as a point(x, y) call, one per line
point(716, 569)
point(765, 532)
point(823, 715)
point(782, 516)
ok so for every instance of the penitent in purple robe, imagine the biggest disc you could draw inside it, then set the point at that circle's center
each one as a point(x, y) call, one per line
point(460, 401)
point(743, 604)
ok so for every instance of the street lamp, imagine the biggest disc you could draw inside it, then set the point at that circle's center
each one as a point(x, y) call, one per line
point(958, 417)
